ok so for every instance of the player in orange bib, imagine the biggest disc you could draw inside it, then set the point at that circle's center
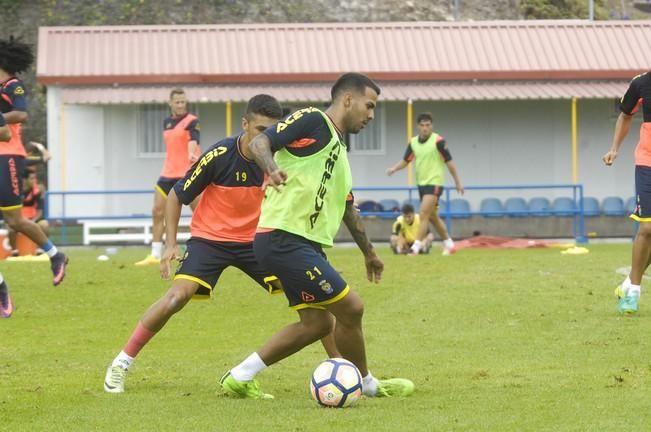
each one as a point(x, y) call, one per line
point(636, 99)
point(16, 57)
point(6, 305)
point(33, 193)
point(181, 136)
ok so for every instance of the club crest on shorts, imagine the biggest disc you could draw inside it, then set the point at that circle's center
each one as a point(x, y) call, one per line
point(325, 286)
point(307, 297)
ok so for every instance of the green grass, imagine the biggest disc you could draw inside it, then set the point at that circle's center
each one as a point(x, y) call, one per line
point(523, 340)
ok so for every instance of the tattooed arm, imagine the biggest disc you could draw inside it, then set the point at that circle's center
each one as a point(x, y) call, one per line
point(353, 221)
point(260, 148)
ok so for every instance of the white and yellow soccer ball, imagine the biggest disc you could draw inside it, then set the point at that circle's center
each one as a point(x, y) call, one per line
point(336, 383)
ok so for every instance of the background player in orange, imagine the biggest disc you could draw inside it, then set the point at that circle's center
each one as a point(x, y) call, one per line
point(32, 205)
point(431, 154)
point(16, 57)
point(223, 225)
point(33, 191)
point(638, 95)
point(181, 136)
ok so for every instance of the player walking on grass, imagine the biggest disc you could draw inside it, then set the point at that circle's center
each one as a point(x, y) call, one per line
point(222, 228)
point(16, 57)
point(432, 155)
point(638, 94)
point(311, 179)
point(181, 137)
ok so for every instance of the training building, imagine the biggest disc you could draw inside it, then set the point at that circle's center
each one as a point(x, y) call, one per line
point(518, 102)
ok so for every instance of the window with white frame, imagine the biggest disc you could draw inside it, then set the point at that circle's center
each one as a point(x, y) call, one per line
point(371, 140)
point(150, 128)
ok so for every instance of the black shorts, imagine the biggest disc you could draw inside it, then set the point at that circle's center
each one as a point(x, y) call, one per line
point(11, 170)
point(308, 279)
point(164, 185)
point(430, 190)
point(642, 212)
point(205, 260)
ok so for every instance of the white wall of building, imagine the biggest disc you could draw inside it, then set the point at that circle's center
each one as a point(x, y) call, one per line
point(514, 142)
point(492, 143)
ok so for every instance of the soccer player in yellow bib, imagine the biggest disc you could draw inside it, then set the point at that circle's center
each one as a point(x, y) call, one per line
point(309, 180)
point(431, 154)
point(405, 230)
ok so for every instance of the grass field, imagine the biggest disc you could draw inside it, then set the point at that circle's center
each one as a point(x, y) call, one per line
point(507, 340)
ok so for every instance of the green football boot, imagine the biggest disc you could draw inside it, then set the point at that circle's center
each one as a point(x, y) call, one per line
point(395, 387)
point(242, 389)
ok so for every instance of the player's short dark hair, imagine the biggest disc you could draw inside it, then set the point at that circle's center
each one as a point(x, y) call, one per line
point(15, 56)
point(264, 105)
point(176, 91)
point(353, 81)
point(407, 209)
point(426, 116)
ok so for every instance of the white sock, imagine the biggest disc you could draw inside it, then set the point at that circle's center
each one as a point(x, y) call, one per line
point(156, 248)
point(448, 243)
point(369, 384)
point(626, 285)
point(633, 289)
point(123, 360)
point(415, 248)
point(2, 279)
point(249, 368)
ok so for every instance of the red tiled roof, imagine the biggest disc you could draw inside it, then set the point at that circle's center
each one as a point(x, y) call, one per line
point(291, 53)
point(316, 92)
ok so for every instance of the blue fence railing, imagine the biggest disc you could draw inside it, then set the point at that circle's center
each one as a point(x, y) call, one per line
point(446, 212)
point(410, 193)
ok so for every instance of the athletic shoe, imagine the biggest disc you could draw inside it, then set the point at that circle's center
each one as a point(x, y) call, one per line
point(394, 387)
point(114, 380)
point(447, 251)
point(149, 260)
point(58, 265)
point(6, 305)
point(242, 389)
point(627, 304)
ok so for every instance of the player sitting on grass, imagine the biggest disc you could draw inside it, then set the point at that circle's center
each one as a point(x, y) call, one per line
point(404, 231)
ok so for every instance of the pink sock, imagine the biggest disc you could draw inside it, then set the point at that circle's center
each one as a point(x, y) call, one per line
point(138, 339)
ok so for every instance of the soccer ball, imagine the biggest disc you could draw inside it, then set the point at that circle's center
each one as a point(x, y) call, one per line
point(336, 383)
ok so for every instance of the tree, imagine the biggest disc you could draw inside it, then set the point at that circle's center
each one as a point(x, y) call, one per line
point(561, 9)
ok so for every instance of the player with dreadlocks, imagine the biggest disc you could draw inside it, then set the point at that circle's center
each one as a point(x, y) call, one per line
point(16, 57)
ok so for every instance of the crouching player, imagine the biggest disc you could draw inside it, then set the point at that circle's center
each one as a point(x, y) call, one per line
point(404, 232)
